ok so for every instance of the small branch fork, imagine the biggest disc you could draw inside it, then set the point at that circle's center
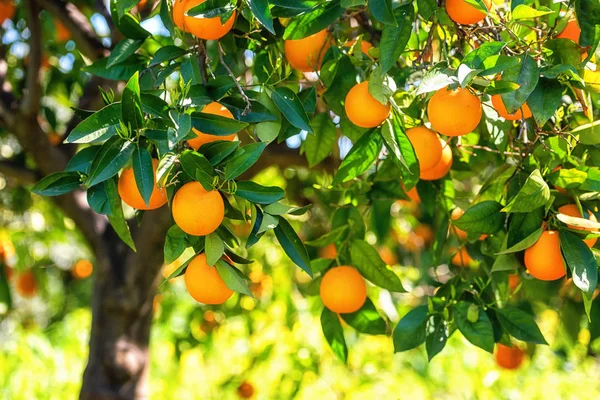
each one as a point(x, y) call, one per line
point(237, 84)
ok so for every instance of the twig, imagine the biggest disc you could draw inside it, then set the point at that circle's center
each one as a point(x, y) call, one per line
point(248, 107)
point(202, 60)
point(32, 96)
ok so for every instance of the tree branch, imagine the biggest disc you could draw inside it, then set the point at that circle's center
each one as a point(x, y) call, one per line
point(21, 174)
point(30, 105)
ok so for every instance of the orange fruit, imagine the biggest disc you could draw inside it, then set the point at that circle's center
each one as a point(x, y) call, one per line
point(454, 215)
point(202, 28)
point(7, 10)
point(362, 108)
point(204, 283)
point(454, 112)
point(245, 390)
point(343, 289)
point(62, 33)
point(82, 269)
point(544, 259)
point(508, 357)
point(572, 31)
point(513, 281)
point(196, 211)
point(439, 170)
point(130, 194)
point(413, 195)
point(462, 258)
point(498, 104)
point(424, 232)
point(142, 4)
point(364, 46)
point(464, 13)
point(428, 148)
point(387, 256)
point(55, 139)
point(203, 138)
point(328, 251)
point(572, 211)
point(307, 54)
point(26, 284)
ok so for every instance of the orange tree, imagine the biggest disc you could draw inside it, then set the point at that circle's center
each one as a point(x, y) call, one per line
point(483, 113)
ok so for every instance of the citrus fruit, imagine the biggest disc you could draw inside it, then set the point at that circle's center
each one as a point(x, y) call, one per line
point(462, 258)
point(464, 13)
point(544, 259)
point(442, 167)
point(196, 211)
point(130, 194)
point(307, 54)
point(498, 104)
point(7, 10)
point(82, 269)
point(572, 211)
point(364, 46)
point(26, 284)
point(572, 31)
point(343, 289)
point(245, 390)
point(202, 28)
point(508, 357)
point(328, 251)
point(363, 109)
point(454, 215)
point(427, 146)
point(62, 33)
point(203, 138)
point(454, 112)
point(204, 283)
point(513, 281)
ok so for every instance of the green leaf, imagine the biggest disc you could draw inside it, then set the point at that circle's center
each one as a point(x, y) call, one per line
point(382, 11)
point(198, 168)
point(334, 334)
point(214, 248)
point(523, 11)
point(360, 157)
point(57, 183)
point(116, 217)
point(525, 243)
point(239, 164)
point(119, 72)
point(437, 336)
point(165, 17)
point(260, 9)
point(260, 194)
point(366, 320)
point(82, 160)
point(520, 325)
point(131, 103)
point(215, 124)
point(125, 22)
point(175, 244)
point(410, 331)
point(426, 8)
point(319, 18)
point(269, 222)
point(154, 105)
point(97, 199)
point(581, 262)
point(321, 142)
point(535, 193)
point(330, 237)
point(367, 260)
point(526, 74)
point(398, 144)
point(123, 50)
point(291, 107)
point(99, 126)
point(506, 262)
point(143, 171)
point(479, 333)
point(473, 63)
point(212, 9)
point(436, 78)
point(394, 37)
point(216, 152)
point(484, 217)
point(113, 155)
point(292, 245)
point(545, 100)
point(167, 53)
point(233, 278)
point(588, 17)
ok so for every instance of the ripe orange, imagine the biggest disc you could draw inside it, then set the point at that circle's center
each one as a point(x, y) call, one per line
point(508, 357)
point(454, 215)
point(328, 251)
point(62, 33)
point(388, 256)
point(82, 269)
point(203, 138)
point(343, 289)
point(572, 31)
point(204, 283)
point(572, 211)
point(364, 46)
point(362, 108)
point(202, 28)
point(7, 10)
point(462, 258)
point(464, 13)
point(454, 112)
point(544, 259)
point(424, 232)
point(442, 167)
point(428, 148)
point(498, 104)
point(513, 281)
point(26, 284)
point(245, 390)
point(413, 195)
point(196, 211)
point(130, 194)
point(307, 54)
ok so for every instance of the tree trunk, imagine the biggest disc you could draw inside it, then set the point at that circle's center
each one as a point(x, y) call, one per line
point(124, 289)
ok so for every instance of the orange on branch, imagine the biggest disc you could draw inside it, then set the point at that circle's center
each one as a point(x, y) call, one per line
point(82, 269)
point(462, 258)
point(363, 109)
point(204, 283)
point(572, 31)
point(387, 255)
point(498, 104)
point(454, 112)
point(427, 146)
point(464, 13)
point(196, 211)
point(62, 33)
point(213, 108)
point(513, 282)
point(364, 46)
point(508, 357)
point(328, 251)
point(442, 167)
point(202, 28)
point(130, 194)
point(572, 211)
point(343, 289)
point(26, 284)
point(454, 215)
point(424, 232)
point(307, 54)
point(544, 259)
